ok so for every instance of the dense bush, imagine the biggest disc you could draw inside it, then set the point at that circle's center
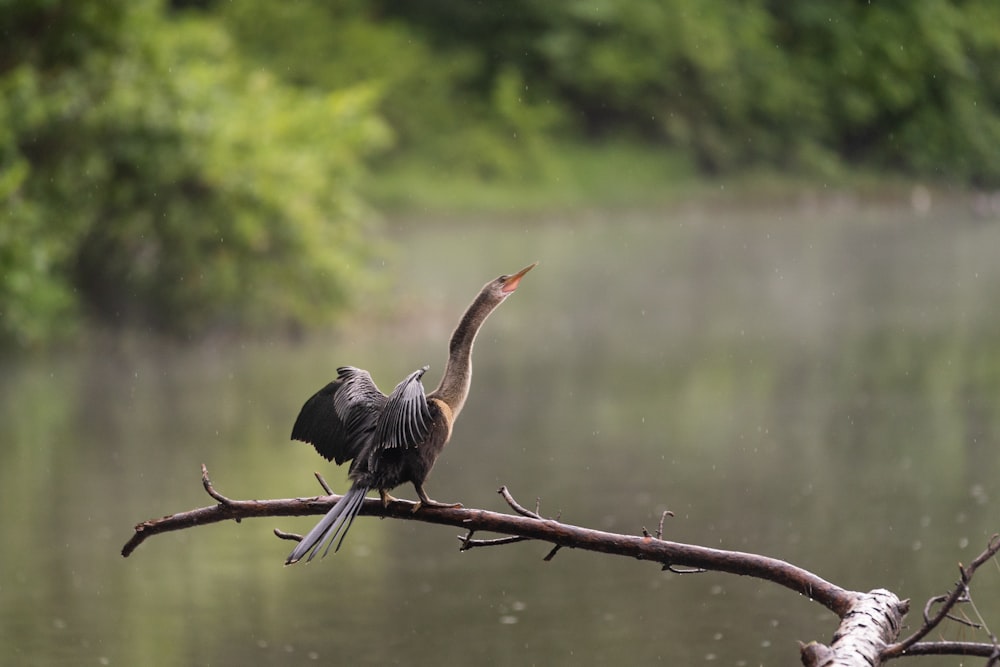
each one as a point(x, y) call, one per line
point(149, 176)
point(911, 87)
point(442, 110)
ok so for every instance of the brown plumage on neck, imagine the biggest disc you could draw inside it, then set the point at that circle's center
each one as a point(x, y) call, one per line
point(457, 378)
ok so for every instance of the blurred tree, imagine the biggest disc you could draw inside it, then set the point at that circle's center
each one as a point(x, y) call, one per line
point(150, 176)
point(443, 110)
point(910, 87)
point(904, 86)
point(704, 77)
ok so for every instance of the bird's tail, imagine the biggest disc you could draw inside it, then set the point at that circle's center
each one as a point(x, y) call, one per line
point(336, 522)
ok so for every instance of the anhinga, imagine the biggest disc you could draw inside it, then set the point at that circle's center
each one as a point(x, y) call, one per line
point(396, 438)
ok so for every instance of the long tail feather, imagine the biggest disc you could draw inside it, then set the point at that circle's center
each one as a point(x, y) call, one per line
point(336, 522)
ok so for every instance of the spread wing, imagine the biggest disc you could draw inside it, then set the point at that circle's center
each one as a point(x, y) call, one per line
point(405, 420)
point(340, 418)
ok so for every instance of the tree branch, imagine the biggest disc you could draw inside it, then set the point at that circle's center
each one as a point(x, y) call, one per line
point(870, 622)
point(530, 525)
point(960, 593)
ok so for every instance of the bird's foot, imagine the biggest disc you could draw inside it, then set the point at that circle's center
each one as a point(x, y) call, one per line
point(386, 498)
point(427, 502)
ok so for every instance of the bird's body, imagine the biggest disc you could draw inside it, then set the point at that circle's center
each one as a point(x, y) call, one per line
point(394, 439)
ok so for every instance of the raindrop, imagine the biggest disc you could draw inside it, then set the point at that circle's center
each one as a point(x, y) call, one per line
point(978, 493)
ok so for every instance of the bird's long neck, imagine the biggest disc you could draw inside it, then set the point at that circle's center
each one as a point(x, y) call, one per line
point(455, 382)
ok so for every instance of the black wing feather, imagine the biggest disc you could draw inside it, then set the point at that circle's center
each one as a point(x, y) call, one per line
point(405, 420)
point(339, 419)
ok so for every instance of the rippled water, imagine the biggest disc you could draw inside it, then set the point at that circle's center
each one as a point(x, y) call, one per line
point(816, 382)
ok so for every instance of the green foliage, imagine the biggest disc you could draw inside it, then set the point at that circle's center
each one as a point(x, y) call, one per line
point(160, 180)
point(903, 86)
point(704, 77)
point(908, 87)
point(438, 104)
point(577, 175)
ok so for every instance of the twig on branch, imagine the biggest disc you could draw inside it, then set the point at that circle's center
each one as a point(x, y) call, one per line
point(670, 567)
point(209, 489)
point(469, 543)
point(282, 535)
point(322, 482)
point(944, 647)
point(959, 593)
point(659, 529)
point(503, 491)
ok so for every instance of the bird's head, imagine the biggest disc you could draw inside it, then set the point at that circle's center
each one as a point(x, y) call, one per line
point(505, 285)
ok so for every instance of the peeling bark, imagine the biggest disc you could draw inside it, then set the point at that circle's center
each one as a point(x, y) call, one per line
point(872, 623)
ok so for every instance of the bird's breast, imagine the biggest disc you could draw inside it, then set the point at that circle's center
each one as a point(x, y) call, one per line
point(447, 416)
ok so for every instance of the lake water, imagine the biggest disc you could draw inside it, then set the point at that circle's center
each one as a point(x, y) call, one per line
point(815, 381)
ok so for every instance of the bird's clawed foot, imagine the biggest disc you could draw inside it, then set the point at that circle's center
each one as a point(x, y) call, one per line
point(425, 501)
point(433, 503)
point(386, 498)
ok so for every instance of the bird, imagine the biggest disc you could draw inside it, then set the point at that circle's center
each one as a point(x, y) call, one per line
point(394, 439)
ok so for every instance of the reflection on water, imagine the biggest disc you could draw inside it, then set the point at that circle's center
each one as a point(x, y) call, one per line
point(820, 387)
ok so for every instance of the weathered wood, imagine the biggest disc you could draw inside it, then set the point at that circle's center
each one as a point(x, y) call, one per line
point(872, 623)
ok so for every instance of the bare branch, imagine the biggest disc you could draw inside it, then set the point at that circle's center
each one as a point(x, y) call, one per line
point(209, 489)
point(937, 599)
point(976, 649)
point(670, 567)
point(469, 543)
point(529, 525)
point(322, 482)
point(282, 535)
point(869, 621)
point(503, 491)
point(663, 517)
point(958, 594)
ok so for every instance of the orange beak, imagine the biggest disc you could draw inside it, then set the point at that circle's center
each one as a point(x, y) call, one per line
point(513, 281)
